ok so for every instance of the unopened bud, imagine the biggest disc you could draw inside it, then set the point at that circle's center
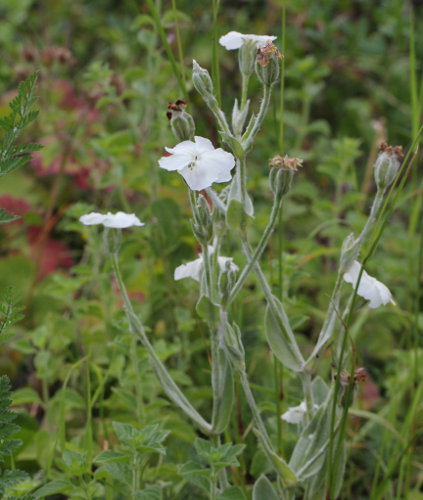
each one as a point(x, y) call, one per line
point(239, 117)
point(282, 171)
point(181, 122)
point(202, 224)
point(111, 240)
point(247, 57)
point(202, 81)
point(267, 64)
point(387, 165)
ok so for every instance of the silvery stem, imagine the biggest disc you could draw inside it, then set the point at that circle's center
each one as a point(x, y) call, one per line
point(168, 384)
point(255, 124)
point(277, 203)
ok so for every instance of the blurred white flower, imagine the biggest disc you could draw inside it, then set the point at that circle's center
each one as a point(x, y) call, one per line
point(193, 269)
point(120, 220)
point(199, 163)
point(369, 288)
point(295, 414)
point(234, 40)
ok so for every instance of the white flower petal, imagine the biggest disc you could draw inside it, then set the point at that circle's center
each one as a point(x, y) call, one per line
point(193, 269)
point(199, 163)
point(203, 143)
point(121, 220)
point(221, 162)
point(174, 162)
point(189, 270)
point(369, 288)
point(92, 219)
point(295, 415)
point(234, 40)
point(184, 148)
point(197, 177)
point(224, 266)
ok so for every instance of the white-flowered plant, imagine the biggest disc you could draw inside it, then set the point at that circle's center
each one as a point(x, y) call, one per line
point(220, 216)
point(199, 163)
point(119, 220)
point(369, 288)
point(234, 40)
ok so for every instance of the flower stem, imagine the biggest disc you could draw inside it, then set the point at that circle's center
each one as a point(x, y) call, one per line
point(251, 132)
point(277, 203)
point(166, 381)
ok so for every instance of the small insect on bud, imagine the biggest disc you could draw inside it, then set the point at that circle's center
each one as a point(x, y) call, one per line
point(387, 165)
point(202, 81)
point(282, 171)
point(267, 64)
point(181, 122)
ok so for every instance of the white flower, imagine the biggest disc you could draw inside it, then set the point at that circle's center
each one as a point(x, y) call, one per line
point(295, 414)
point(193, 269)
point(199, 163)
point(369, 288)
point(119, 220)
point(233, 40)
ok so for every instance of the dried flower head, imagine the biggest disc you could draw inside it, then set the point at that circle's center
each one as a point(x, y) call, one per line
point(178, 106)
point(391, 150)
point(286, 162)
point(267, 52)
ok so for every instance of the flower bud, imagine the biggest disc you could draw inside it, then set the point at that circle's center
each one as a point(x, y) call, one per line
point(247, 56)
point(202, 224)
point(234, 346)
point(181, 122)
point(239, 117)
point(202, 81)
point(111, 240)
point(387, 165)
point(267, 64)
point(282, 172)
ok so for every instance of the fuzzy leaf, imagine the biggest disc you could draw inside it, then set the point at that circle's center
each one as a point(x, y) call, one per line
point(263, 490)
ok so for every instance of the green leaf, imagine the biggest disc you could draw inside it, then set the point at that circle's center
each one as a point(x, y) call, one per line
point(309, 455)
point(205, 306)
point(6, 216)
point(150, 493)
point(196, 475)
point(25, 396)
point(147, 440)
point(110, 456)
point(117, 471)
point(223, 392)
point(218, 456)
point(232, 493)
point(281, 339)
point(56, 486)
point(263, 490)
